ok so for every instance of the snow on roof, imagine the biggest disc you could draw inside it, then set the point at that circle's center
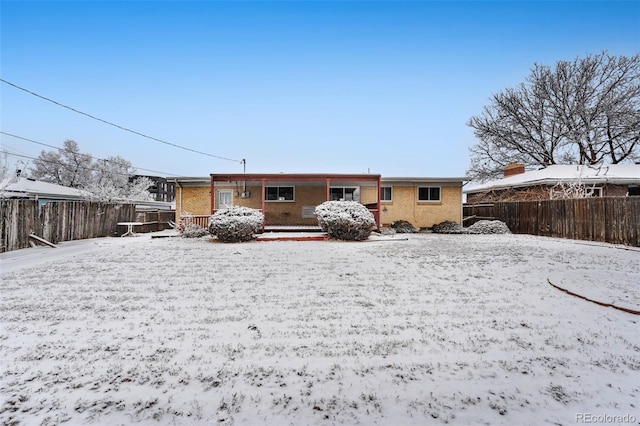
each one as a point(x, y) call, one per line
point(19, 186)
point(550, 175)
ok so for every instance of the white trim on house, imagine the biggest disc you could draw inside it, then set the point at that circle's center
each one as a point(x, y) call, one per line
point(423, 181)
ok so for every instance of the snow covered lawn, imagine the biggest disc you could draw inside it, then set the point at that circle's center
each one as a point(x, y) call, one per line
point(458, 329)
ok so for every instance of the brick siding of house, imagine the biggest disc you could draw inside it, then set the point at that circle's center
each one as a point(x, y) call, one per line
point(290, 212)
point(405, 206)
point(192, 200)
point(616, 190)
point(196, 200)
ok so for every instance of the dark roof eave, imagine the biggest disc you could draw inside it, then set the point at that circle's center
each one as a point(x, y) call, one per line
point(425, 179)
point(223, 177)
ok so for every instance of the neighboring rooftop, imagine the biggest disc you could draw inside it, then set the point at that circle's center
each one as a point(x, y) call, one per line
point(625, 174)
point(23, 187)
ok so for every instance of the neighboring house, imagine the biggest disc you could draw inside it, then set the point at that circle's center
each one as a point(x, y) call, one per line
point(290, 199)
point(559, 181)
point(19, 187)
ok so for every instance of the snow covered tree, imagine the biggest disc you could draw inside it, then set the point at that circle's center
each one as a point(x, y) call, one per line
point(572, 189)
point(111, 179)
point(4, 165)
point(597, 99)
point(67, 167)
point(583, 111)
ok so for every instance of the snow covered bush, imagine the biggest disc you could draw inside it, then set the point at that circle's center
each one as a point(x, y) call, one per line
point(193, 231)
point(186, 220)
point(449, 227)
point(236, 224)
point(403, 227)
point(345, 220)
point(489, 227)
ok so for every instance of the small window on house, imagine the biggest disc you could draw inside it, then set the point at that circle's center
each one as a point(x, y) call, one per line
point(386, 193)
point(634, 191)
point(344, 193)
point(593, 192)
point(429, 193)
point(279, 193)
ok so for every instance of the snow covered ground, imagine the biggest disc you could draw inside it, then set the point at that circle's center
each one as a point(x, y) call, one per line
point(417, 329)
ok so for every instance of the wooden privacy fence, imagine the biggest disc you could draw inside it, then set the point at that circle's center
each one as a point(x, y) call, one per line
point(613, 220)
point(59, 221)
point(154, 220)
point(201, 220)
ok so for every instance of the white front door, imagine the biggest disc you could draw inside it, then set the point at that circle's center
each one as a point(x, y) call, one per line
point(225, 199)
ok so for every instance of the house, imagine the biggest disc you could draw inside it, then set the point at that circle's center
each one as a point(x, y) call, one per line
point(19, 187)
point(290, 199)
point(558, 181)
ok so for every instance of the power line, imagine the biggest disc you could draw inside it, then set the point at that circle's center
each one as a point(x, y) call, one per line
point(118, 126)
point(85, 155)
point(63, 165)
point(5, 147)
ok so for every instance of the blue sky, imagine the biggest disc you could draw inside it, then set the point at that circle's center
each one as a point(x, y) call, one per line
point(297, 86)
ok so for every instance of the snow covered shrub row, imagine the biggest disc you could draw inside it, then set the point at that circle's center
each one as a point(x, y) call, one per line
point(186, 219)
point(449, 227)
point(489, 227)
point(236, 224)
point(193, 231)
point(345, 220)
point(188, 229)
point(403, 227)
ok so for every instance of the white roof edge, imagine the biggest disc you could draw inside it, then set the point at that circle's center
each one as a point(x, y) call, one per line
point(605, 174)
point(190, 179)
point(586, 181)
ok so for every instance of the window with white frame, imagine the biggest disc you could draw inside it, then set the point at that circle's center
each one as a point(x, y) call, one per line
point(595, 191)
point(344, 193)
point(279, 193)
point(386, 193)
point(429, 193)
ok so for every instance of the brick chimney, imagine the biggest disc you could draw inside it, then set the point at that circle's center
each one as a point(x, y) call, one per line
point(513, 168)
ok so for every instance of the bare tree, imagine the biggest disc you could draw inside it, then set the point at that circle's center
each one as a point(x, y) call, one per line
point(518, 125)
point(598, 100)
point(584, 111)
